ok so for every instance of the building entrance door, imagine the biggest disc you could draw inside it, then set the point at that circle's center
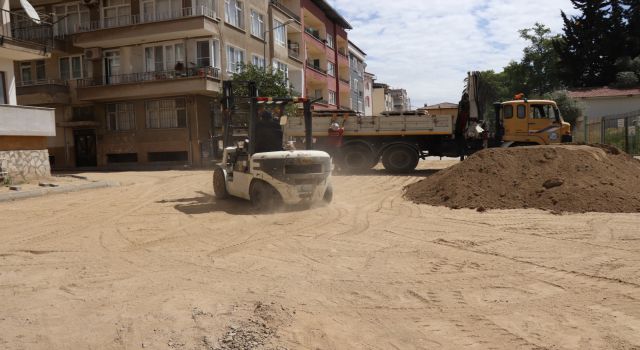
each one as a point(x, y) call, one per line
point(85, 146)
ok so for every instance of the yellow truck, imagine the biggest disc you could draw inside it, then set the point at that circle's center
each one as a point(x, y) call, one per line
point(400, 140)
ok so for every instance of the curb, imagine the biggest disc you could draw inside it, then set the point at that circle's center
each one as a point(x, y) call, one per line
point(4, 197)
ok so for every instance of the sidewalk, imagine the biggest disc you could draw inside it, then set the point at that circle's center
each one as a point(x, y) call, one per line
point(63, 188)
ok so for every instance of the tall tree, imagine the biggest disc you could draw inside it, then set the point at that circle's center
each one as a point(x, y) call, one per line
point(539, 61)
point(632, 16)
point(583, 57)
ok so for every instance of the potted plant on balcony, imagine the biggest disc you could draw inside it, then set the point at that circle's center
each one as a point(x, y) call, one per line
point(179, 68)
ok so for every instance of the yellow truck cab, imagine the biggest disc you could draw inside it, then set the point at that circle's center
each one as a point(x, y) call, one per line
point(533, 122)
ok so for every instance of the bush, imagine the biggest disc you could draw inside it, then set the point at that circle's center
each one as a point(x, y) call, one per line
point(626, 80)
point(569, 108)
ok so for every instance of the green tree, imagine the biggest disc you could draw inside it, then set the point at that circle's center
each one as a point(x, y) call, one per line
point(632, 17)
point(270, 82)
point(539, 62)
point(569, 108)
point(582, 50)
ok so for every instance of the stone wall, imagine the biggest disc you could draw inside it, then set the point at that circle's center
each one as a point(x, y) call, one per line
point(25, 165)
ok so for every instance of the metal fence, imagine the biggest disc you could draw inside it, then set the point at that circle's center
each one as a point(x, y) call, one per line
point(621, 130)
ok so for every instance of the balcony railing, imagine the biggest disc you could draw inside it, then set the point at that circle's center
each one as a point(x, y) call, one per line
point(342, 52)
point(60, 82)
point(285, 9)
point(314, 33)
point(316, 68)
point(123, 21)
point(133, 78)
point(18, 29)
point(346, 81)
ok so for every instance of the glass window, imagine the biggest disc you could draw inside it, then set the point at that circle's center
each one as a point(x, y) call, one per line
point(164, 114)
point(3, 90)
point(331, 69)
point(257, 61)
point(279, 33)
point(70, 18)
point(233, 13)
point(332, 97)
point(522, 111)
point(71, 67)
point(543, 112)
point(116, 13)
point(235, 59)
point(507, 111)
point(282, 67)
point(40, 71)
point(330, 41)
point(203, 55)
point(25, 73)
point(257, 24)
point(120, 117)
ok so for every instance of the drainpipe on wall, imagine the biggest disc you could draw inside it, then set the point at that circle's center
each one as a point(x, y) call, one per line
point(195, 102)
point(189, 144)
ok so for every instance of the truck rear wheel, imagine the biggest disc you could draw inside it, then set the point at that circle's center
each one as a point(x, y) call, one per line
point(400, 159)
point(357, 158)
point(264, 197)
point(219, 183)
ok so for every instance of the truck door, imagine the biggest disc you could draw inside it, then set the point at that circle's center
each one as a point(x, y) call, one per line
point(543, 124)
point(515, 121)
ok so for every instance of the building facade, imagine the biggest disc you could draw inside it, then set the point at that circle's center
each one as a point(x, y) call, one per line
point(23, 130)
point(382, 100)
point(139, 82)
point(369, 79)
point(401, 101)
point(357, 66)
point(444, 108)
point(327, 72)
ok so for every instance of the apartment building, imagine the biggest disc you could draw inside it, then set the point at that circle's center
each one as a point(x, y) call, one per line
point(138, 82)
point(382, 100)
point(401, 101)
point(23, 130)
point(327, 75)
point(357, 66)
point(369, 79)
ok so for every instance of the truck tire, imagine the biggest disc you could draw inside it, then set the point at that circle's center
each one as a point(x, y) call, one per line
point(219, 183)
point(264, 197)
point(357, 158)
point(400, 159)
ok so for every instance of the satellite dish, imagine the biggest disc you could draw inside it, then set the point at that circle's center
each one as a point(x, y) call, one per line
point(31, 12)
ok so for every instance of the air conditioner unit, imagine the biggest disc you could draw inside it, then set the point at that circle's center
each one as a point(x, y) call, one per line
point(91, 2)
point(94, 53)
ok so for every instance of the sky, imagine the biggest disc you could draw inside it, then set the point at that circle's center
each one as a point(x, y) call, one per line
point(427, 46)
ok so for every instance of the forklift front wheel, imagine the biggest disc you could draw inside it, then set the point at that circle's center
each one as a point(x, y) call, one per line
point(328, 194)
point(219, 183)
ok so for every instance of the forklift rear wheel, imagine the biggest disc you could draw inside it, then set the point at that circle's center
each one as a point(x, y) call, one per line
point(328, 194)
point(264, 197)
point(219, 184)
point(400, 159)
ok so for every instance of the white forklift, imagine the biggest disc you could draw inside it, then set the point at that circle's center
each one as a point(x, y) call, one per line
point(267, 175)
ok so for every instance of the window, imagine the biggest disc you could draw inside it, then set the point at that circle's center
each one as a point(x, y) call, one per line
point(331, 69)
point(71, 67)
point(522, 111)
point(116, 13)
point(40, 71)
point(507, 112)
point(235, 59)
point(207, 53)
point(70, 18)
point(233, 13)
point(279, 33)
point(25, 73)
point(164, 114)
point(163, 57)
point(367, 101)
point(543, 112)
point(120, 117)
point(282, 67)
point(3, 90)
point(257, 24)
point(330, 42)
point(258, 61)
point(332, 97)
point(158, 10)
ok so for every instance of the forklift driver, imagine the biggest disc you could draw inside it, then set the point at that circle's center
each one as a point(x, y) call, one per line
point(268, 134)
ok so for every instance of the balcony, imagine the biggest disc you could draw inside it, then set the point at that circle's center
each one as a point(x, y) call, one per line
point(27, 121)
point(344, 85)
point(205, 81)
point(43, 92)
point(23, 39)
point(294, 51)
point(135, 29)
point(284, 9)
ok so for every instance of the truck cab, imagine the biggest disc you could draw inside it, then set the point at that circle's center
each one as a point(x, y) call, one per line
point(533, 122)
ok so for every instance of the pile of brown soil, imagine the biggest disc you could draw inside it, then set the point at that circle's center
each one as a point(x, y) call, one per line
point(566, 178)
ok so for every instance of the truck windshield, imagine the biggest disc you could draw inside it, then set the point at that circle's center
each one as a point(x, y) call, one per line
point(543, 111)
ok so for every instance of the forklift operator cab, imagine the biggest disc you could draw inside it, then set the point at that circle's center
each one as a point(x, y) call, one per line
point(533, 122)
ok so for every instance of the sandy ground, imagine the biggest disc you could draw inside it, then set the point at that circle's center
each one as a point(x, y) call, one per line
point(159, 264)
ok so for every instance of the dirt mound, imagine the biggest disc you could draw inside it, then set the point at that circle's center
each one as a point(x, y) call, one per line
point(567, 178)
